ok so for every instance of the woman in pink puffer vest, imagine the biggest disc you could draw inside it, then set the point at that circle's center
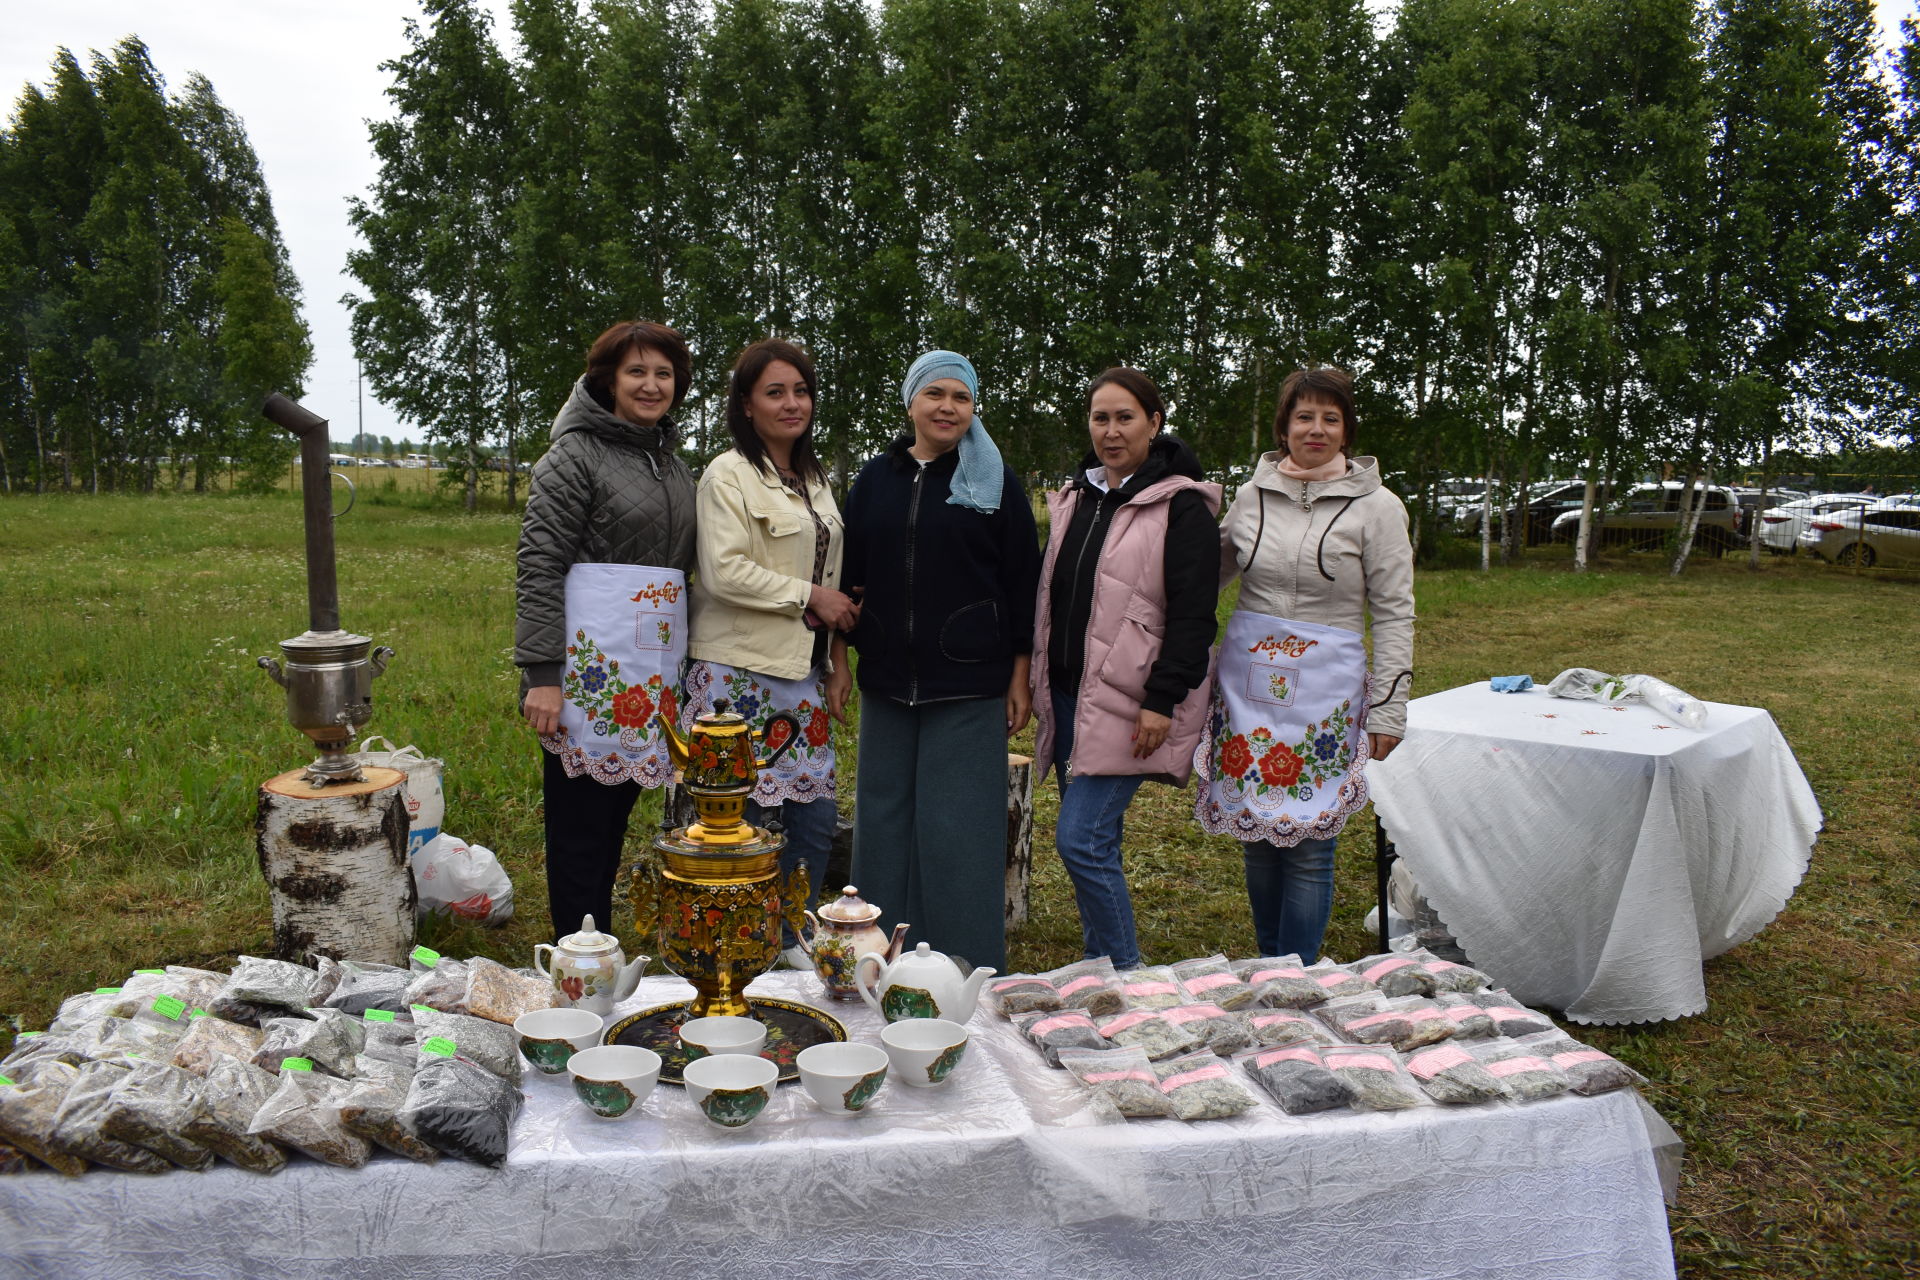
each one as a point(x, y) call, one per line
point(1123, 639)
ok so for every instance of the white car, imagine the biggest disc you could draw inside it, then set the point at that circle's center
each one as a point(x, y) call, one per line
point(1781, 526)
point(1886, 534)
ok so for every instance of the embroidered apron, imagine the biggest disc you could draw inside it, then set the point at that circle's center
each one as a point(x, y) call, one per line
point(626, 638)
point(801, 775)
point(1286, 732)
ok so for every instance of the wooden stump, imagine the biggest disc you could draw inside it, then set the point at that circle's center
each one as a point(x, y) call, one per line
point(335, 860)
point(1019, 836)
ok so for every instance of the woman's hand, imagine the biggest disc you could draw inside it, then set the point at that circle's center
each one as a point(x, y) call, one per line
point(542, 708)
point(1381, 745)
point(1149, 731)
point(839, 687)
point(831, 607)
point(1019, 695)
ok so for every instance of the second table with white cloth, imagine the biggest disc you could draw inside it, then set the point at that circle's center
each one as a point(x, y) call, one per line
point(1591, 855)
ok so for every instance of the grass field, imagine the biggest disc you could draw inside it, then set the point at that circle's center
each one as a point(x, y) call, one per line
point(134, 730)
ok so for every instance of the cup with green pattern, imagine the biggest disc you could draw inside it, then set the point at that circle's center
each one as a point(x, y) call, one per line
point(548, 1037)
point(613, 1080)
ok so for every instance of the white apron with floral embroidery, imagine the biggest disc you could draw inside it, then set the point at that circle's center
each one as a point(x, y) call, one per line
point(626, 639)
point(1286, 732)
point(801, 775)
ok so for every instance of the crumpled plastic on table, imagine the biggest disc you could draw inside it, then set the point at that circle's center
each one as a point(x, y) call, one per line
point(1587, 685)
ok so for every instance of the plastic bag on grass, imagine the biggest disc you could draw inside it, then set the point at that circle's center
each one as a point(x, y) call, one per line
point(30, 1115)
point(209, 1038)
point(231, 1095)
point(304, 1113)
point(80, 1128)
point(462, 1109)
point(1296, 1079)
point(1123, 1077)
point(372, 1104)
point(151, 1108)
point(461, 879)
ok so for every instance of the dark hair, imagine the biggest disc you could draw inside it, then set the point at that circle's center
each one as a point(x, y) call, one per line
point(1139, 386)
point(748, 368)
point(1324, 383)
point(609, 352)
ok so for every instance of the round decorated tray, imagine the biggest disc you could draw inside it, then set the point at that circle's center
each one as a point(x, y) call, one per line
point(791, 1027)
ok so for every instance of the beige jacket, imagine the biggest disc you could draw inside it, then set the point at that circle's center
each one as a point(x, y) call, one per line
point(756, 568)
point(1331, 552)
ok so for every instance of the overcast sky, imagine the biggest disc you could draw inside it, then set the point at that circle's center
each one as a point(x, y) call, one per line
point(305, 77)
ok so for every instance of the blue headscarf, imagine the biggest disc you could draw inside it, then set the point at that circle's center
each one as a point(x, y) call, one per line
point(976, 482)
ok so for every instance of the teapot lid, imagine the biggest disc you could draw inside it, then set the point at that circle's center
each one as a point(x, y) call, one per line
point(589, 939)
point(849, 908)
point(720, 715)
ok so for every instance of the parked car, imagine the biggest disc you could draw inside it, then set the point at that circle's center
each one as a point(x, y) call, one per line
point(1547, 501)
point(1650, 512)
point(1880, 535)
point(1781, 526)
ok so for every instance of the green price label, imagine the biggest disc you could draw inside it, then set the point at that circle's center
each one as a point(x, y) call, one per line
point(106, 991)
point(161, 972)
point(297, 1064)
point(6, 1081)
point(423, 1008)
point(197, 1013)
point(439, 1046)
point(426, 957)
point(378, 1015)
point(28, 1035)
point(169, 1007)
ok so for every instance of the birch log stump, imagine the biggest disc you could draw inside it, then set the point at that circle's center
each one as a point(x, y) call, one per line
point(1019, 836)
point(335, 859)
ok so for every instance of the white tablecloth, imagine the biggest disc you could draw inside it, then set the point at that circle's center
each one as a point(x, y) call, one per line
point(1591, 855)
point(1004, 1171)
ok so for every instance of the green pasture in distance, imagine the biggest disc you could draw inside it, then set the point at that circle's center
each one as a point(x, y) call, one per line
point(135, 730)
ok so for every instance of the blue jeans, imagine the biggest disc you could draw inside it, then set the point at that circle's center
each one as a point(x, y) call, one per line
point(809, 829)
point(1093, 813)
point(1290, 889)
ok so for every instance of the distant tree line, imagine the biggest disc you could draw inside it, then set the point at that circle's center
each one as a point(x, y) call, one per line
point(148, 305)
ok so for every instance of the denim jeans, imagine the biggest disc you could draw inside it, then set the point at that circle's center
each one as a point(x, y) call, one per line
point(809, 829)
point(1093, 812)
point(1290, 888)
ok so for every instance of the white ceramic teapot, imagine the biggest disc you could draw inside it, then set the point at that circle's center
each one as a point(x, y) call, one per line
point(924, 983)
point(588, 969)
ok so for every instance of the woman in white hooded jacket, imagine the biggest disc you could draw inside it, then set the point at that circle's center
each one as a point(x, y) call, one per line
point(1320, 547)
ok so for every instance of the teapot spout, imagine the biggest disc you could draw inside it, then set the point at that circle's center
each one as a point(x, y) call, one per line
point(970, 991)
point(630, 977)
point(898, 941)
point(677, 749)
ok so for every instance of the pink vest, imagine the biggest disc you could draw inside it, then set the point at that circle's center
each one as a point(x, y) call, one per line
point(1129, 619)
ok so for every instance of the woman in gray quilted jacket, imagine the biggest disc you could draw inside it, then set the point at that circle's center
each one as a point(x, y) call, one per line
point(600, 625)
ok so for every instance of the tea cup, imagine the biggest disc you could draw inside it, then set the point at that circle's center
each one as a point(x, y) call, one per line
point(701, 1037)
point(613, 1080)
point(548, 1037)
point(924, 1051)
point(842, 1078)
point(730, 1088)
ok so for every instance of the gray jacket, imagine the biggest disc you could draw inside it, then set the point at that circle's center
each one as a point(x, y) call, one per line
point(605, 492)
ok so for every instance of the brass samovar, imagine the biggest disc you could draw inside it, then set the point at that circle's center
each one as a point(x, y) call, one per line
point(716, 898)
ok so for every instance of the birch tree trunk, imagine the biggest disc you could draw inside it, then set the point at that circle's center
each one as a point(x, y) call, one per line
point(335, 860)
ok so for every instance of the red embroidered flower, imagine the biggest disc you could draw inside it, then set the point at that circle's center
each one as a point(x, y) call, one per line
point(631, 709)
point(818, 729)
point(1236, 757)
point(669, 706)
point(1280, 767)
point(777, 734)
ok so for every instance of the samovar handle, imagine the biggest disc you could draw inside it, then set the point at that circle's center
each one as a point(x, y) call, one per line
point(379, 659)
point(643, 892)
point(272, 667)
point(793, 898)
point(786, 744)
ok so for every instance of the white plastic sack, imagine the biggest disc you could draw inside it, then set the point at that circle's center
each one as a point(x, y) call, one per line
point(426, 804)
point(1588, 685)
point(466, 880)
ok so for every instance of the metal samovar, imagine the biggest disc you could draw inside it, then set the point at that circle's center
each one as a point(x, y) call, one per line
point(717, 897)
point(327, 673)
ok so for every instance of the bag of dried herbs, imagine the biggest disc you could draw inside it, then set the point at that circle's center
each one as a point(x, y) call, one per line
point(304, 1113)
point(30, 1048)
point(372, 1105)
point(1588, 1070)
point(1123, 1076)
point(261, 988)
point(84, 1010)
point(80, 1127)
point(1374, 1076)
point(354, 987)
point(150, 1108)
point(388, 1039)
point(1149, 1032)
point(1448, 1073)
point(439, 982)
point(1066, 1029)
point(1337, 981)
point(1510, 1017)
point(1405, 1023)
point(197, 988)
point(209, 1038)
point(462, 1109)
point(1201, 1087)
point(1296, 1079)
point(1448, 976)
point(1091, 985)
point(1395, 975)
point(1153, 987)
point(480, 1040)
point(231, 1095)
point(500, 994)
point(1284, 1026)
point(1209, 980)
point(1222, 1031)
point(329, 1040)
point(1528, 1076)
point(1023, 993)
point(30, 1115)
point(154, 1031)
point(1280, 982)
point(1470, 1021)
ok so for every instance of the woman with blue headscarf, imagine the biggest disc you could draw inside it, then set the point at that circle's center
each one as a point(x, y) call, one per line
point(942, 554)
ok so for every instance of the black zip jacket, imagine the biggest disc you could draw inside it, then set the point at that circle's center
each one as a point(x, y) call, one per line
point(946, 593)
point(1192, 568)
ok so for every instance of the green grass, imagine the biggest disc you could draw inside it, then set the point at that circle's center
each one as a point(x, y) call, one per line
point(135, 729)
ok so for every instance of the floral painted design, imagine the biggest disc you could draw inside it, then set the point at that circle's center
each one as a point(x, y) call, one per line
point(942, 1067)
point(899, 1003)
point(864, 1089)
point(1279, 686)
point(805, 771)
point(1254, 786)
point(606, 1098)
point(1259, 764)
point(734, 1107)
point(549, 1057)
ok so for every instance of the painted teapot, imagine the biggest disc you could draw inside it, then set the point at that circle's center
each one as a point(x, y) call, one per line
point(717, 754)
point(588, 969)
point(924, 983)
point(844, 931)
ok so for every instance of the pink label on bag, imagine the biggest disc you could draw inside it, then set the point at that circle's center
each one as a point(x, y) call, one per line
point(1514, 1066)
point(1015, 984)
point(1431, 1063)
point(1460, 1013)
point(1584, 1055)
point(1339, 979)
point(1082, 983)
point(1374, 1020)
point(1121, 1022)
point(1152, 989)
point(1440, 966)
point(1274, 1019)
point(1098, 1077)
point(1296, 1053)
point(1213, 1071)
point(1385, 967)
point(1509, 1011)
point(1208, 981)
point(1426, 1013)
point(1372, 1060)
point(1268, 975)
point(1058, 1021)
point(1181, 1015)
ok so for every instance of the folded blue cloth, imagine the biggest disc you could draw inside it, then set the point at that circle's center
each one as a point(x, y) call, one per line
point(1512, 684)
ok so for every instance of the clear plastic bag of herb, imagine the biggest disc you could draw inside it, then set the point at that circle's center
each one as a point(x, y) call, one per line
point(1295, 1078)
point(84, 1010)
point(304, 1113)
point(1374, 1075)
point(1449, 1074)
point(1202, 1087)
point(328, 1039)
point(480, 1040)
point(372, 1104)
point(461, 1109)
point(1280, 982)
point(1510, 1017)
point(1448, 976)
point(30, 1115)
point(1153, 987)
point(1209, 980)
point(1089, 985)
point(1150, 1032)
point(1276, 1027)
point(1470, 1021)
point(231, 1095)
point(154, 1031)
point(354, 988)
point(394, 1041)
point(1405, 1022)
point(196, 988)
point(94, 1038)
point(1064, 1029)
point(1123, 1076)
point(13, 1160)
point(1337, 981)
point(32, 1048)
point(1588, 1070)
point(151, 1108)
point(262, 988)
point(1528, 1075)
point(1023, 993)
point(209, 1038)
point(1396, 975)
point(500, 994)
point(1222, 1031)
point(80, 1128)
point(443, 986)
